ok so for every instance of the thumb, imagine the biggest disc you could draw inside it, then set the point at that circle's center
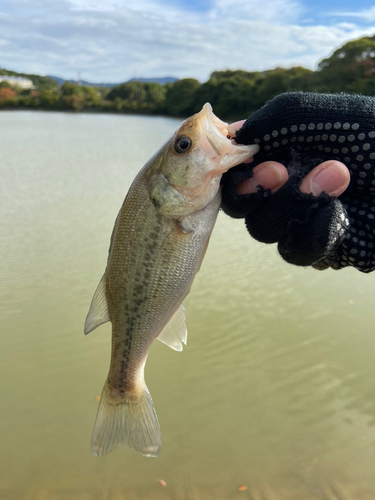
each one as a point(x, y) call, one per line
point(331, 176)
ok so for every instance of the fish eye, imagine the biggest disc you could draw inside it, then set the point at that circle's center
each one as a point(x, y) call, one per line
point(182, 144)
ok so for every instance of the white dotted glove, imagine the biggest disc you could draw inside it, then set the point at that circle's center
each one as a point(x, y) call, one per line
point(302, 130)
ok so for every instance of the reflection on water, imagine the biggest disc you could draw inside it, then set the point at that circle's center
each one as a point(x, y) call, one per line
point(275, 389)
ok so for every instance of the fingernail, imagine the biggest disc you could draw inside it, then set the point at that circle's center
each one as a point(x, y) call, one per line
point(267, 176)
point(330, 179)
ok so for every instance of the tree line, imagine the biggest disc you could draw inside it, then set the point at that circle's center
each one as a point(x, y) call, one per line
point(233, 94)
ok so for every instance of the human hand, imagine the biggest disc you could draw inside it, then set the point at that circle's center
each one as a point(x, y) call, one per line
point(331, 176)
point(301, 167)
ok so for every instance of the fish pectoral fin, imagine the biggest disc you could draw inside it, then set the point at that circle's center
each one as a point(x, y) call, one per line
point(98, 312)
point(174, 333)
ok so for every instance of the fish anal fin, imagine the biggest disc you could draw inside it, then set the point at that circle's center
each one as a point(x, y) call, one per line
point(98, 312)
point(174, 333)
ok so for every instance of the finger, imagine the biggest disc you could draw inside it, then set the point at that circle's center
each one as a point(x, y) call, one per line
point(270, 175)
point(331, 176)
point(233, 127)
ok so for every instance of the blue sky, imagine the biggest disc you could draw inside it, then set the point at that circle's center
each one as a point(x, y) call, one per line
point(114, 40)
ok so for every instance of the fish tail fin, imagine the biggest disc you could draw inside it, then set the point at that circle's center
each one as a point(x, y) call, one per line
point(125, 420)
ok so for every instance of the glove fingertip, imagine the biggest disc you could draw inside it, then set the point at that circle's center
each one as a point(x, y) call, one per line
point(307, 242)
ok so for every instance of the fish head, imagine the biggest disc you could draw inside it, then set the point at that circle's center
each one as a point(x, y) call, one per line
point(193, 161)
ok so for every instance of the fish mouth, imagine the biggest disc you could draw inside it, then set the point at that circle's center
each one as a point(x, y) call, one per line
point(220, 141)
point(220, 127)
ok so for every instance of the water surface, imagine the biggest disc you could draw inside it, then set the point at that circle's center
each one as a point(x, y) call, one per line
point(275, 389)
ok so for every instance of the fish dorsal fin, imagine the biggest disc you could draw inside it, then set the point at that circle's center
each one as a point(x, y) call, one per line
point(174, 332)
point(98, 312)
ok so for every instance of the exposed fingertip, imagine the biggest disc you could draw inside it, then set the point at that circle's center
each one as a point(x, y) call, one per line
point(331, 177)
point(269, 175)
point(233, 127)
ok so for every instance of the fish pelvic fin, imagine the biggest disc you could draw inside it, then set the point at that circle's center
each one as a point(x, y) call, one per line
point(174, 333)
point(98, 312)
point(124, 420)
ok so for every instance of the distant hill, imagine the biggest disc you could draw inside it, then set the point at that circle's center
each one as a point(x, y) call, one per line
point(61, 81)
point(50, 81)
point(162, 81)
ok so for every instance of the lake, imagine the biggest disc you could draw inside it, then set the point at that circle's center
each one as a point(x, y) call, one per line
point(275, 390)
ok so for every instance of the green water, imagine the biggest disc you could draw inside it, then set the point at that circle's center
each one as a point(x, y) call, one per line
point(275, 389)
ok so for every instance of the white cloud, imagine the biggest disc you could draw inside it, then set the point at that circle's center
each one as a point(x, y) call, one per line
point(266, 11)
point(113, 42)
point(366, 14)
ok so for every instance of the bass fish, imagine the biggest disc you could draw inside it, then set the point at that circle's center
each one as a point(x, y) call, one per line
point(158, 242)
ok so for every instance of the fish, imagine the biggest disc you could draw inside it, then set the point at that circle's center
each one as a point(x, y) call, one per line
point(157, 245)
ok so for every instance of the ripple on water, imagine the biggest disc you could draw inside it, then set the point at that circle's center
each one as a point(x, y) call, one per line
point(275, 386)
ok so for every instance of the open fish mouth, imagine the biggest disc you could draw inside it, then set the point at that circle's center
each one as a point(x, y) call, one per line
point(217, 125)
point(221, 140)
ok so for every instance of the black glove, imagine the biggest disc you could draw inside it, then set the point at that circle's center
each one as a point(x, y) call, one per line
point(302, 130)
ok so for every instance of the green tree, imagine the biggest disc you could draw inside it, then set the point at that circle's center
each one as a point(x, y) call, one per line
point(233, 94)
point(78, 97)
point(138, 96)
point(72, 96)
point(5, 85)
point(180, 98)
point(155, 95)
point(49, 99)
point(349, 69)
point(279, 80)
point(131, 92)
point(92, 97)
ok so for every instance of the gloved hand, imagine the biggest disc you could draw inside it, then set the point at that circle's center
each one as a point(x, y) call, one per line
point(301, 130)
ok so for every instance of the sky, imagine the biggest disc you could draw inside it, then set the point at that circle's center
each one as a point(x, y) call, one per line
point(115, 40)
